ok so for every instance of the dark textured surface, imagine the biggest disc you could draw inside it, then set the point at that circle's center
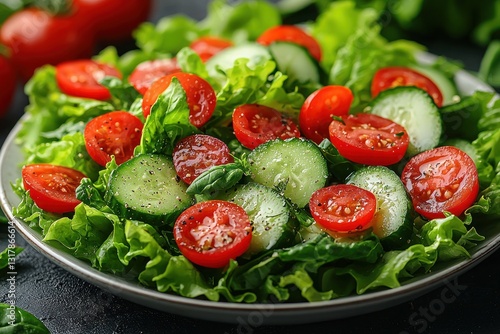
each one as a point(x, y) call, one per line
point(68, 305)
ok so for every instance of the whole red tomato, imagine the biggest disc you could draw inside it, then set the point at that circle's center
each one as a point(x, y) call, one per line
point(113, 20)
point(8, 76)
point(35, 37)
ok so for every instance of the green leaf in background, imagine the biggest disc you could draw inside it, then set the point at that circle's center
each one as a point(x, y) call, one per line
point(14, 320)
point(8, 253)
point(243, 22)
point(168, 36)
point(489, 69)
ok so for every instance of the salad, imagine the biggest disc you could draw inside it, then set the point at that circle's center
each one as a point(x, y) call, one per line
point(242, 159)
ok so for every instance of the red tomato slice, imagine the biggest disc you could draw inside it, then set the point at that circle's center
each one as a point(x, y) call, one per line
point(113, 134)
point(343, 208)
point(294, 34)
point(208, 46)
point(81, 78)
point(319, 108)
point(390, 77)
point(197, 153)
point(441, 179)
point(255, 124)
point(199, 93)
point(211, 233)
point(52, 187)
point(149, 71)
point(369, 139)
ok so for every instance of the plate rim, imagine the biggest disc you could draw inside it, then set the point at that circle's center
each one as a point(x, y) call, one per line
point(228, 312)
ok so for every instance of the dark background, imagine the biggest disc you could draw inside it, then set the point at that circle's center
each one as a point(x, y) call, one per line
point(69, 305)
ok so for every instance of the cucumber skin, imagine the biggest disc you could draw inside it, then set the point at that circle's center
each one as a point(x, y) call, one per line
point(129, 212)
point(288, 231)
point(377, 107)
point(258, 169)
point(401, 237)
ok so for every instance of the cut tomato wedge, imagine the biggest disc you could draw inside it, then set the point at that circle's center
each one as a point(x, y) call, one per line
point(441, 179)
point(255, 124)
point(343, 208)
point(212, 233)
point(149, 71)
point(390, 77)
point(113, 134)
point(52, 187)
point(369, 139)
point(81, 78)
point(197, 153)
point(319, 108)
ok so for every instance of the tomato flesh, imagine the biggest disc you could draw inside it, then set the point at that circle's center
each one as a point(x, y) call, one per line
point(390, 77)
point(319, 108)
point(81, 78)
point(149, 71)
point(113, 134)
point(197, 153)
point(199, 93)
point(369, 139)
point(441, 179)
point(212, 233)
point(52, 187)
point(343, 208)
point(293, 34)
point(255, 124)
point(207, 46)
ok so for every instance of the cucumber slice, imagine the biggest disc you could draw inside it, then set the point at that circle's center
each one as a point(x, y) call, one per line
point(393, 221)
point(225, 59)
point(415, 110)
point(273, 225)
point(147, 188)
point(296, 62)
point(296, 163)
point(446, 86)
point(465, 146)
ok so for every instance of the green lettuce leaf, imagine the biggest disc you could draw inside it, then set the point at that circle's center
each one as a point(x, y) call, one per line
point(168, 121)
point(240, 22)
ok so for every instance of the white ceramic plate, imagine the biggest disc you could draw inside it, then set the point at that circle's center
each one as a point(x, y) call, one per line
point(11, 157)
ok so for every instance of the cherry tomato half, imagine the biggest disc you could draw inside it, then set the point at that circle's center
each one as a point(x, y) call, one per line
point(441, 179)
point(207, 46)
point(319, 108)
point(113, 134)
point(369, 139)
point(294, 34)
point(199, 93)
point(255, 124)
point(35, 38)
point(390, 77)
point(8, 75)
point(149, 71)
point(211, 233)
point(52, 187)
point(197, 153)
point(81, 78)
point(343, 208)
